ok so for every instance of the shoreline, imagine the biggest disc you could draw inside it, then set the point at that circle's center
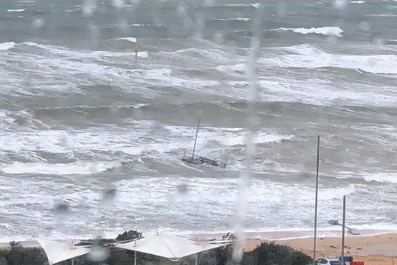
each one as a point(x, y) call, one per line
point(274, 235)
point(269, 236)
point(291, 235)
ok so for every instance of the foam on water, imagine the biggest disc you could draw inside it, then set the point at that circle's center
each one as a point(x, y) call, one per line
point(243, 19)
point(382, 15)
point(77, 168)
point(314, 58)
point(321, 92)
point(4, 46)
point(255, 5)
point(239, 138)
point(336, 193)
point(16, 10)
point(130, 39)
point(383, 177)
point(64, 142)
point(328, 31)
point(210, 196)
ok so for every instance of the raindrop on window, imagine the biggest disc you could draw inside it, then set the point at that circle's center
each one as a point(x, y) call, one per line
point(38, 22)
point(88, 8)
point(109, 195)
point(98, 253)
point(182, 189)
point(118, 3)
point(340, 4)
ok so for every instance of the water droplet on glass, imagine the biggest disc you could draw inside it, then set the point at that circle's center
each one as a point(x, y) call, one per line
point(63, 140)
point(181, 10)
point(61, 211)
point(182, 189)
point(98, 253)
point(123, 24)
point(281, 9)
point(378, 41)
point(109, 195)
point(364, 26)
point(199, 26)
point(21, 121)
point(332, 39)
point(118, 3)
point(88, 8)
point(38, 22)
point(94, 31)
point(209, 2)
point(340, 4)
point(219, 37)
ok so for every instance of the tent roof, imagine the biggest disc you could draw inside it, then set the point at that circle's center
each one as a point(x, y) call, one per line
point(168, 246)
point(57, 251)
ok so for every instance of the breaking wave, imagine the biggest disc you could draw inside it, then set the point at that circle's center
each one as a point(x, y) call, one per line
point(328, 31)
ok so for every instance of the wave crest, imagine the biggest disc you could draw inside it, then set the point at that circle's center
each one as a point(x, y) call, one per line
point(6, 45)
point(328, 31)
point(77, 168)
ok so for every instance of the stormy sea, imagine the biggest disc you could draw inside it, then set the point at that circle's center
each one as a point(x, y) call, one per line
point(100, 100)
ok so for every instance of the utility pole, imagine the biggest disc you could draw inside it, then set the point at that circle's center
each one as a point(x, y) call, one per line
point(315, 203)
point(343, 231)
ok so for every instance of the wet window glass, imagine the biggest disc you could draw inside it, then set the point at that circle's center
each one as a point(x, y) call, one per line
point(197, 118)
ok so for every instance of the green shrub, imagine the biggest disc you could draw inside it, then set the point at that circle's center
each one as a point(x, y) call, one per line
point(129, 235)
point(272, 254)
point(21, 256)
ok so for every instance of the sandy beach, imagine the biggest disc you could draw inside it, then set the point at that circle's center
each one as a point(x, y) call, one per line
point(372, 249)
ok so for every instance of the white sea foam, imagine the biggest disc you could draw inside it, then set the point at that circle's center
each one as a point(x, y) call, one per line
point(77, 168)
point(304, 49)
point(329, 31)
point(136, 143)
point(310, 57)
point(130, 39)
point(336, 193)
point(143, 54)
point(383, 177)
point(267, 201)
point(72, 65)
point(382, 15)
point(245, 19)
point(57, 50)
point(228, 138)
point(6, 45)
point(62, 142)
point(255, 5)
point(224, 136)
point(357, 2)
point(15, 10)
point(235, 68)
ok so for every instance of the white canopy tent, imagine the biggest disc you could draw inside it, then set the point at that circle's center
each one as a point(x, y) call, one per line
point(57, 251)
point(170, 247)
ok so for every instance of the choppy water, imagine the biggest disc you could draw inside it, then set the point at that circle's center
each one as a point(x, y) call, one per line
point(79, 116)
